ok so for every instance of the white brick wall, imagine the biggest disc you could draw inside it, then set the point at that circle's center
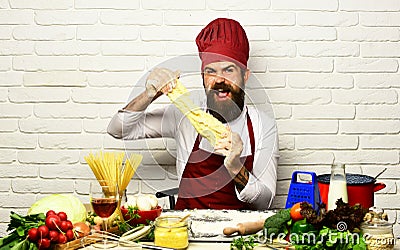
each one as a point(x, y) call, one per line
point(330, 68)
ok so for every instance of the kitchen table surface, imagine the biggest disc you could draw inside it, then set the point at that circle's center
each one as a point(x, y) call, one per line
point(218, 246)
point(194, 246)
point(218, 222)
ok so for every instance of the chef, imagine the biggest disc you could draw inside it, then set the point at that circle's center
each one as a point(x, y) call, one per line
point(239, 171)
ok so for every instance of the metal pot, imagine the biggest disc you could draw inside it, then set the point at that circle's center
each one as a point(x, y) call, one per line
point(360, 188)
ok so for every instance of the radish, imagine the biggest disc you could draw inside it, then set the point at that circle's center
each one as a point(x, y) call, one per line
point(53, 222)
point(43, 231)
point(50, 212)
point(63, 216)
point(33, 234)
point(53, 235)
point(44, 243)
point(62, 238)
point(70, 235)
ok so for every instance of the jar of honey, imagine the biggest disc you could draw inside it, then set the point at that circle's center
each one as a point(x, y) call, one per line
point(171, 232)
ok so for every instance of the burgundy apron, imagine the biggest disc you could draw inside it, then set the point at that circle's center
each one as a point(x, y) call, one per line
point(207, 184)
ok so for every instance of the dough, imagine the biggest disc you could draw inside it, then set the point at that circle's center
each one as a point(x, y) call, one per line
point(205, 124)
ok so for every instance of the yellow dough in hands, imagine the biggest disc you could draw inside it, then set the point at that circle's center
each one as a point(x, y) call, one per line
point(205, 124)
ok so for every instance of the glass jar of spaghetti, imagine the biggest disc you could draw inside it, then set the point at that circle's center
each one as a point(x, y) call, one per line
point(171, 232)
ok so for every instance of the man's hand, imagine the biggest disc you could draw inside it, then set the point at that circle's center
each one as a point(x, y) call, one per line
point(160, 80)
point(231, 146)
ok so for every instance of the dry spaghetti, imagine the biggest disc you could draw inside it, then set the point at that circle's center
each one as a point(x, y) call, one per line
point(108, 166)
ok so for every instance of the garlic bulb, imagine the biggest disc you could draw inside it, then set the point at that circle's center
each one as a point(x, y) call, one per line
point(143, 203)
point(131, 201)
point(153, 200)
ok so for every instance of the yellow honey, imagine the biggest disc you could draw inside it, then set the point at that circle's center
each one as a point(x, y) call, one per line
point(170, 232)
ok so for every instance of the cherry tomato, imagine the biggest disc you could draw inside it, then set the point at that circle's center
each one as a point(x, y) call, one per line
point(63, 216)
point(43, 231)
point(295, 212)
point(33, 234)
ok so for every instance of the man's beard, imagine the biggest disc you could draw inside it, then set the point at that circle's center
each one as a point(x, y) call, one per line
point(229, 109)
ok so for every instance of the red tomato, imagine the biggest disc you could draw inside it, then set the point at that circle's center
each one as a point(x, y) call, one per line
point(295, 212)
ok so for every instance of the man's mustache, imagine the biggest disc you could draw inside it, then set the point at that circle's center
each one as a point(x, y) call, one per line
point(222, 86)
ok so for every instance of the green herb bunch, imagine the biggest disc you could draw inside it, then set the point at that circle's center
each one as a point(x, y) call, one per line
point(243, 243)
point(18, 230)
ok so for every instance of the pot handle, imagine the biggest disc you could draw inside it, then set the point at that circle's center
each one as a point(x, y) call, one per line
point(378, 186)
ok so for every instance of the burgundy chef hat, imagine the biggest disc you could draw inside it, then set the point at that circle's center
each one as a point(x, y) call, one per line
point(223, 40)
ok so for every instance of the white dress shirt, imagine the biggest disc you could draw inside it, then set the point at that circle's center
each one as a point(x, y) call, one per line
point(170, 122)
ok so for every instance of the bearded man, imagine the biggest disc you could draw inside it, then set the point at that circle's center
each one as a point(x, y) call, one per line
point(239, 171)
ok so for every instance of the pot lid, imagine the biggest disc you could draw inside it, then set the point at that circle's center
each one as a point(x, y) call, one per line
point(351, 179)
